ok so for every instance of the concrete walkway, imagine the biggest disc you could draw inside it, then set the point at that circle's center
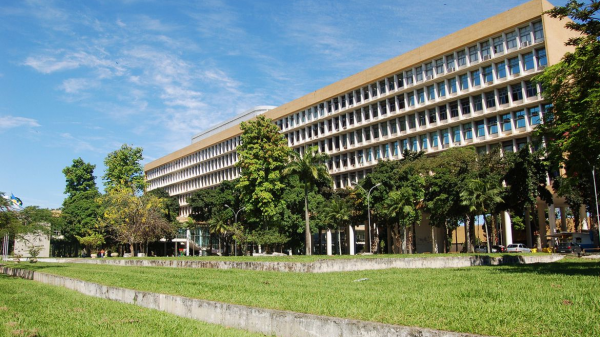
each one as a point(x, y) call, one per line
point(330, 265)
point(265, 321)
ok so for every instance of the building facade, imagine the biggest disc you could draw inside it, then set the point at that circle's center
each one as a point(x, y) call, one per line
point(472, 87)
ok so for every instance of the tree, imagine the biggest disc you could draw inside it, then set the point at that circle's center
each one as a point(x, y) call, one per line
point(79, 177)
point(263, 156)
point(480, 196)
point(336, 213)
point(123, 169)
point(171, 204)
point(310, 168)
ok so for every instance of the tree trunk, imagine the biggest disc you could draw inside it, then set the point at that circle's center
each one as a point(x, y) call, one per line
point(307, 236)
point(404, 239)
point(487, 235)
point(468, 234)
point(434, 246)
point(339, 241)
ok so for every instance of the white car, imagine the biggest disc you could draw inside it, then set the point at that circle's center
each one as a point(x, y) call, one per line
point(483, 249)
point(517, 248)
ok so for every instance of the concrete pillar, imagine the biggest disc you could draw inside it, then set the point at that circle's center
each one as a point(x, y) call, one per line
point(329, 252)
point(552, 221)
point(507, 224)
point(528, 228)
point(583, 218)
point(187, 242)
point(563, 219)
point(351, 240)
point(542, 222)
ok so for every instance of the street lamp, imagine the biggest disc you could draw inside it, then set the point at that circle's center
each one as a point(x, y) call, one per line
point(368, 210)
point(595, 193)
point(235, 214)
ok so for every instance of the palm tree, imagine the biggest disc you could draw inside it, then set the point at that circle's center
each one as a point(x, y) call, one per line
point(480, 197)
point(405, 204)
point(310, 168)
point(337, 213)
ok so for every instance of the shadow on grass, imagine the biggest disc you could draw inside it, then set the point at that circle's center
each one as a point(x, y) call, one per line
point(567, 266)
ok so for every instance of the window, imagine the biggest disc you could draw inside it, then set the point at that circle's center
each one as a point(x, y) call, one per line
point(517, 92)
point(443, 112)
point(461, 58)
point(434, 139)
point(475, 78)
point(384, 129)
point(369, 154)
point(383, 107)
point(395, 148)
point(520, 119)
point(409, 77)
point(377, 152)
point(393, 126)
point(492, 125)
point(498, 45)
point(452, 85)
point(506, 122)
point(359, 136)
point(439, 66)
point(513, 66)
point(367, 133)
point(502, 96)
point(488, 75)
point(465, 106)
point(473, 54)
point(525, 35)
point(421, 95)
point(357, 94)
point(477, 103)
point(419, 73)
point(386, 151)
point(485, 50)
point(382, 87)
point(366, 113)
point(538, 31)
point(511, 40)
point(412, 121)
point(441, 89)
point(507, 146)
point(411, 98)
point(392, 104)
point(422, 118)
point(445, 137)
point(432, 116)
point(454, 109)
point(541, 57)
point(358, 114)
point(373, 89)
point(456, 134)
point(464, 81)
point(528, 61)
point(431, 92)
point(391, 82)
point(530, 89)
point(400, 81)
point(467, 131)
point(404, 143)
point(429, 70)
point(424, 142)
point(534, 115)
point(480, 125)
point(401, 102)
point(501, 70)
point(402, 123)
point(360, 156)
point(413, 144)
point(450, 62)
point(366, 93)
point(375, 131)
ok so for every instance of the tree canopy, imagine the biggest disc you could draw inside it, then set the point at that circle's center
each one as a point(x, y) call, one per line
point(124, 169)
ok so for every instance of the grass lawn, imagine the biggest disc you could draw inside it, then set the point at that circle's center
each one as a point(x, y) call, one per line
point(559, 299)
point(33, 309)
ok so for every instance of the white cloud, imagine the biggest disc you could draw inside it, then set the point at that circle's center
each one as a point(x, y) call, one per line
point(76, 85)
point(9, 122)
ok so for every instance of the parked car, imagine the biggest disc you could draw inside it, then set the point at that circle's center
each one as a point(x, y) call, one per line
point(568, 248)
point(499, 248)
point(483, 249)
point(517, 248)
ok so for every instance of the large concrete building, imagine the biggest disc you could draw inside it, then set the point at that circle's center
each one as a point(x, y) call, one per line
point(472, 87)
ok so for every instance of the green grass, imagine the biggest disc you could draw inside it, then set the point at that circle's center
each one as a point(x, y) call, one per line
point(29, 308)
point(559, 299)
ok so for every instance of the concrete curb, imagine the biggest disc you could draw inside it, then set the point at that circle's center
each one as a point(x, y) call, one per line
point(327, 266)
point(265, 321)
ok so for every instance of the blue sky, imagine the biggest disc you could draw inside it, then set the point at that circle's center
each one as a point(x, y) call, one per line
point(80, 78)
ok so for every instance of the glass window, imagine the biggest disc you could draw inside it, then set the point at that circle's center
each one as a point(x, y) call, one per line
point(502, 96)
point(375, 131)
point(369, 154)
point(404, 144)
point(391, 82)
point(366, 113)
point(511, 40)
point(461, 58)
point(409, 77)
point(450, 62)
point(477, 103)
point(443, 112)
point(520, 119)
point(475, 78)
point(431, 92)
point(454, 109)
point(402, 123)
point(445, 137)
point(528, 61)
point(411, 98)
point(393, 126)
point(367, 133)
point(412, 121)
point(530, 89)
point(513, 66)
point(492, 125)
point(382, 88)
point(525, 35)
point(534, 115)
point(419, 73)
point(395, 148)
point(538, 31)
point(456, 134)
point(467, 131)
point(424, 142)
point(383, 107)
point(452, 85)
point(373, 89)
point(384, 129)
point(439, 66)
point(386, 150)
point(441, 89)
point(485, 50)
point(507, 146)
point(360, 156)
point(434, 139)
point(358, 114)
point(473, 54)
point(429, 70)
point(501, 70)
point(465, 106)
point(413, 144)
point(432, 116)
point(506, 122)
point(488, 75)
point(464, 81)
point(400, 81)
point(421, 95)
point(392, 104)
point(377, 152)
point(480, 125)
point(401, 102)
point(359, 136)
point(422, 118)
point(541, 57)
point(517, 92)
point(498, 45)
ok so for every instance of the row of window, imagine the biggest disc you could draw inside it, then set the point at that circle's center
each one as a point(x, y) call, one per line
point(200, 182)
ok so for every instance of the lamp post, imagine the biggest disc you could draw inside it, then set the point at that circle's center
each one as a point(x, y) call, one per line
point(368, 210)
point(235, 214)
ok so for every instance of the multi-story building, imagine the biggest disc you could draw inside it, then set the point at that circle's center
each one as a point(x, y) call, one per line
point(472, 87)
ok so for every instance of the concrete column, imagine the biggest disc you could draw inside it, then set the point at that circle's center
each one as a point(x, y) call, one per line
point(583, 218)
point(329, 242)
point(528, 228)
point(563, 219)
point(552, 221)
point(542, 222)
point(351, 240)
point(507, 228)
point(187, 242)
